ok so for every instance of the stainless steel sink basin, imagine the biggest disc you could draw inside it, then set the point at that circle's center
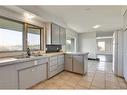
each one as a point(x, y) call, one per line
point(21, 57)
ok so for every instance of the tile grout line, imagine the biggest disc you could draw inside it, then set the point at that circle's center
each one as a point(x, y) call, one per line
point(93, 78)
point(105, 76)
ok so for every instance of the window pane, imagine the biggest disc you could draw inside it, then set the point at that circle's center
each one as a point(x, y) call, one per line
point(34, 39)
point(70, 45)
point(10, 35)
point(101, 46)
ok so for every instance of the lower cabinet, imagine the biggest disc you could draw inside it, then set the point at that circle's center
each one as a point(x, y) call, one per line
point(78, 64)
point(56, 65)
point(52, 66)
point(32, 75)
point(68, 62)
point(60, 63)
point(52, 73)
point(8, 77)
point(28, 73)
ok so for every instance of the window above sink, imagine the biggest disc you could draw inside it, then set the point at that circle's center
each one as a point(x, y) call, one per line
point(18, 36)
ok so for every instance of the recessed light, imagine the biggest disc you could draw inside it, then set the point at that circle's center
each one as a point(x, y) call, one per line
point(96, 26)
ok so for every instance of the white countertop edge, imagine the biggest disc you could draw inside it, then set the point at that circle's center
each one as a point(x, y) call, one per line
point(46, 55)
point(77, 53)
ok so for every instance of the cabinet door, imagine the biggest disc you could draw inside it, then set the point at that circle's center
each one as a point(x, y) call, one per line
point(60, 63)
point(55, 34)
point(68, 62)
point(85, 64)
point(62, 36)
point(8, 77)
point(78, 64)
point(61, 59)
point(125, 55)
point(125, 20)
point(31, 76)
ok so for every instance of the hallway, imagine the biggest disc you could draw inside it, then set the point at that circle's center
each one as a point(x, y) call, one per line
point(99, 76)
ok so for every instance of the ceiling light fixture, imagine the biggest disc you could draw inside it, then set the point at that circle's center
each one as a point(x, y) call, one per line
point(28, 15)
point(96, 26)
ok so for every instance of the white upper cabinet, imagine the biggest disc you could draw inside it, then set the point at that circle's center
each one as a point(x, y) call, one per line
point(62, 36)
point(55, 34)
point(125, 20)
point(58, 34)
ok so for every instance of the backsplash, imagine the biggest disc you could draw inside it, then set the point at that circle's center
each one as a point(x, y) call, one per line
point(53, 48)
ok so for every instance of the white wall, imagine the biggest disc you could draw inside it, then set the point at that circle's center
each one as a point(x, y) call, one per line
point(87, 43)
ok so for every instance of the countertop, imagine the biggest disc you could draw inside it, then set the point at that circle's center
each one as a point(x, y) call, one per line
point(77, 53)
point(13, 60)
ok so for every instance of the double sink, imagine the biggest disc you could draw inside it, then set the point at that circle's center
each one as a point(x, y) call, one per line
point(19, 57)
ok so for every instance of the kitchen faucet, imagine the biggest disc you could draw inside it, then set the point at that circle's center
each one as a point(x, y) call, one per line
point(28, 52)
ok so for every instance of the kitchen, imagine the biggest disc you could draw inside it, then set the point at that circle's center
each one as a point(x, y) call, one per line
point(39, 51)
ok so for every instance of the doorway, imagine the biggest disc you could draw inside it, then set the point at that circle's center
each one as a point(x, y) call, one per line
point(104, 42)
point(70, 45)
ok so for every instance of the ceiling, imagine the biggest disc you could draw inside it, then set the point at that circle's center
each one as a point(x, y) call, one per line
point(83, 18)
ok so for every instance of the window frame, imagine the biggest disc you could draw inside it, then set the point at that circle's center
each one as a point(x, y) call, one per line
point(24, 36)
point(41, 37)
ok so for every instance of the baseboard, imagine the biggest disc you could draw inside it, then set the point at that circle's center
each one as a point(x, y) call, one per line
point(97, 59)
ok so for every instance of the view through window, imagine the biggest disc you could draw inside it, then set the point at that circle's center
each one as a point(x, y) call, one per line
point(10, 35)
point(10, 40)
point(101, 46)
point(70, 45)
point(34, 39)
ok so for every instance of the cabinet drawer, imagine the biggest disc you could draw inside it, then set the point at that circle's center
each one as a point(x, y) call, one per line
point(68, 56)
point(30, 76)
point(44, 60)
point(61, 56)
point(53, 58)
point(53, 61)
point(52, 73)
point(60, 59)
point(60, 68)
point(52, 68)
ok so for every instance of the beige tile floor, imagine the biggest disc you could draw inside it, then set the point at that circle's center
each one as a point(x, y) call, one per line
point(99, 76)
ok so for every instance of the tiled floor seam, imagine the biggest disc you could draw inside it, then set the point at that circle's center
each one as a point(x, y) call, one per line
point(93, 78)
